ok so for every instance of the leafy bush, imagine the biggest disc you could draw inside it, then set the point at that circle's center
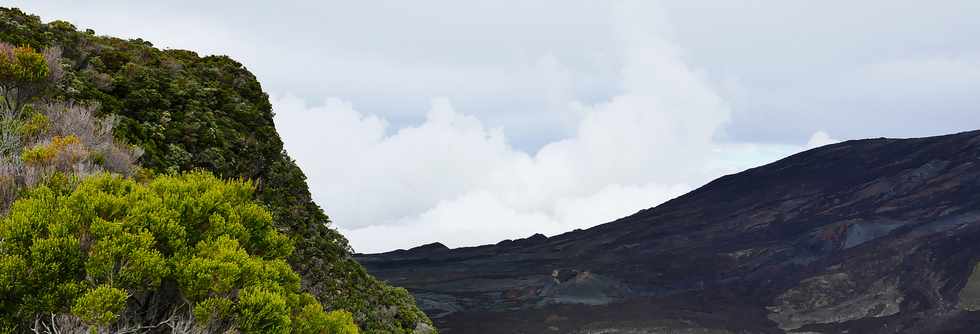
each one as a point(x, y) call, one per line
point(100, 306)
point(113, 252)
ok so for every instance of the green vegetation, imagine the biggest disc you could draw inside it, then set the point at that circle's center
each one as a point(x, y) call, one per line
point(185, 113)
point(192, 247)
point(44, 140)
point(25, 74)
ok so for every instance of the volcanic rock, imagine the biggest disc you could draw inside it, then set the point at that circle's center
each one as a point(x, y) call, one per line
point(864, 236)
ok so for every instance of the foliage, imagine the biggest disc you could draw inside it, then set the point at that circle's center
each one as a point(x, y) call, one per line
point(191, 112)
point(213, 309)
point(263, 311)
point(25, 74)
point(42, 142)
point(190, 242)
point(59, 140)
point(100, 306)
point(44, 154)
point(311, 319)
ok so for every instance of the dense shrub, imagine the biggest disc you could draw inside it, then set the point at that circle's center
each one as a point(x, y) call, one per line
point(119, 255)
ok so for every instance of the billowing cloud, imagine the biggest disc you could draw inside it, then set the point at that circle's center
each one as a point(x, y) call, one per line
point(452, 179)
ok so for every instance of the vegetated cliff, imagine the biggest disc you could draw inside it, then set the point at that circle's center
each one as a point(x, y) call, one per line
point(864, 236)
point(190, 112)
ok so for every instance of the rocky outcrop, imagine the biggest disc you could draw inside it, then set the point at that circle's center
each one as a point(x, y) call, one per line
point(866, 236)
point(834, 298)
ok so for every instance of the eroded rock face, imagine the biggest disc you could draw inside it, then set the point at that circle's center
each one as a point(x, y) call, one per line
point(834, 298)
point(868, 236)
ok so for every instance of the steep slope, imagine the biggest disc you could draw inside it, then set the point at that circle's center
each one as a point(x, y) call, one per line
point(866, 236)
point(189, 112)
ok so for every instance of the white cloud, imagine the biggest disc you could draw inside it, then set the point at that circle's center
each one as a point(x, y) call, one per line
point(452, 179)
point(511, 63)
point(482, 217)
point(820, 138)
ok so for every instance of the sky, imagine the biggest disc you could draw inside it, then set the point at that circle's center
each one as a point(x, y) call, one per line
point(471, 122)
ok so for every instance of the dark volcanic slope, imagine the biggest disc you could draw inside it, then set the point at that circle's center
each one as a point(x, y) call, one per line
point(877, 235)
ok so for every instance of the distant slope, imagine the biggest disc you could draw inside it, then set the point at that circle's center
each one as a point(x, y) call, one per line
point(870, 236)
point(189, 112)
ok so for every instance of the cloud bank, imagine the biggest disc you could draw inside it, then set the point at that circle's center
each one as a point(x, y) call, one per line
point(454, 180)
point(536, 93)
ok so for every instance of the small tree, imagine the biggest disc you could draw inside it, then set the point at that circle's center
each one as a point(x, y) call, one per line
point(25, 74)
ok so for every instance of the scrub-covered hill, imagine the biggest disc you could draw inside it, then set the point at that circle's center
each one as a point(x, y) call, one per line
point(186, 112)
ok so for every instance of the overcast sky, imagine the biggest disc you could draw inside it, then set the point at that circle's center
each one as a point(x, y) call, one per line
point(469, 122)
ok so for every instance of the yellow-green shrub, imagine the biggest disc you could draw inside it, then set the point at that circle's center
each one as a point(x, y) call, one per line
point(111, 245)
point(69, 148)
point(100, 306)
point(23, 64)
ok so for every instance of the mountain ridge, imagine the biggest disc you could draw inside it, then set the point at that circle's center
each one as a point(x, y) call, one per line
point(775, 242)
